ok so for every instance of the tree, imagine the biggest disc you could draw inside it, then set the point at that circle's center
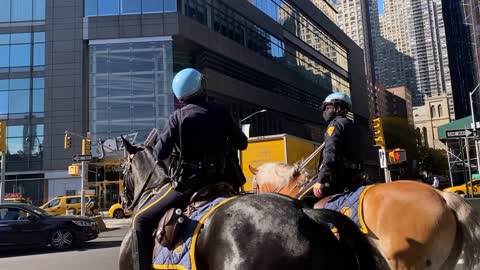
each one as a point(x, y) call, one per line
point(433, 161)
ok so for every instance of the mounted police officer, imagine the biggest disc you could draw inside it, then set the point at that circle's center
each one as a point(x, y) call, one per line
point(204, 134)
point(343, 155)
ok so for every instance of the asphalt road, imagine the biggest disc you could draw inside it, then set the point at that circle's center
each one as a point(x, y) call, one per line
point(100, 254)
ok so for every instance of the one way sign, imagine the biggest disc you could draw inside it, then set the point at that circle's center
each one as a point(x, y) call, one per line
point(459, 133)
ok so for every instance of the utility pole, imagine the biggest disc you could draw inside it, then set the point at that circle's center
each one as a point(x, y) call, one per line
point(474, 126)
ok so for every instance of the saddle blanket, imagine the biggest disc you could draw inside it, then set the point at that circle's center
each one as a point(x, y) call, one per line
point(183, 255)
point(350, 204)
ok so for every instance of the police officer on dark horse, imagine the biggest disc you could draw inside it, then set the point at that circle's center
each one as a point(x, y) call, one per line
point(265, 231)
point(203, 133)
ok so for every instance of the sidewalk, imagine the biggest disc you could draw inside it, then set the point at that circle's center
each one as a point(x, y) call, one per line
point(112, 223)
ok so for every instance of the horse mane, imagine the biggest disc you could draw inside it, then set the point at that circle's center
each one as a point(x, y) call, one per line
point(278, 174)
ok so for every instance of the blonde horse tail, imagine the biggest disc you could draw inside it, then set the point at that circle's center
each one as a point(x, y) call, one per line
point(469, 223)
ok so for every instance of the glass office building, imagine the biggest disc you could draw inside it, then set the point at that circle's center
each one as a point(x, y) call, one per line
point(104, 68)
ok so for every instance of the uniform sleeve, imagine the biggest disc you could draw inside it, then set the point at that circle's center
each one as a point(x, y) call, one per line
point(331, 152)
point(166, 139)
point(236, 137)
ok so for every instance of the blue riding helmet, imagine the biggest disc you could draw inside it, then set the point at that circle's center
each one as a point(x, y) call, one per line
point(187, 83)
point(336, 98)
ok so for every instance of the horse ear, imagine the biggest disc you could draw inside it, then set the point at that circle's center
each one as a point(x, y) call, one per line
point(252, 169)
point(128, 146)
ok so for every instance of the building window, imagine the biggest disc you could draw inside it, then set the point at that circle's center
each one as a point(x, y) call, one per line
point(31, 187)
point(432, 111)
point(130, 87)
point(20, 98)
point(425, 136)
point(24, 148)
point(125, 7)
point(295, 22)
point(20, 52)
point(233, 25)
point(22, 10)
point(440, 111)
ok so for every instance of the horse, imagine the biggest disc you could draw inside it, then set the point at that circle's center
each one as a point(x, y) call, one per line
point(264, 231)
point(413, 225)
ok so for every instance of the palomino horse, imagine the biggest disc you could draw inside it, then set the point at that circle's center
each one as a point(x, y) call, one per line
point(265, 231)
point(412, 224)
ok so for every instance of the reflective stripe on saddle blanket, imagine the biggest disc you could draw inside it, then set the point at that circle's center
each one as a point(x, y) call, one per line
point(350, 204)
point(183, 254)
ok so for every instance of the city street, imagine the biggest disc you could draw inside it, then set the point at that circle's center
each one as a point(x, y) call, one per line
point(100, 253)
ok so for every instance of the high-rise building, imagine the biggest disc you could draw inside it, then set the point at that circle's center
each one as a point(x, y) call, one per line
point(429, 48)
point(416, 29)
point(104, 68)
point(399, 100)
point(458, 27)
point(396, 66)
point(359, 20)
point(327, 7)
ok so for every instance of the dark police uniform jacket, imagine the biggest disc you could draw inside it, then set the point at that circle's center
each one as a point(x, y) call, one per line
point(343, 155)
point(208, 131)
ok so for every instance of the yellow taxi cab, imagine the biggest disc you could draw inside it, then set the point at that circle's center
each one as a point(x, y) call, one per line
point(116, 211)
point(59, 205)
point(462, 189)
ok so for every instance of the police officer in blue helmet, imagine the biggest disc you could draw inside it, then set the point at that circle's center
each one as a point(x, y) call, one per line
point(203, 133)
point(342, 158)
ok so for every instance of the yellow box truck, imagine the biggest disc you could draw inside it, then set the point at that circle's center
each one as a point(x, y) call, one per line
point(276, 148)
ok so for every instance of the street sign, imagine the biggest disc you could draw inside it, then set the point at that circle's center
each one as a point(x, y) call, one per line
point(79, 158)
point(383, 158)
point(459, 133)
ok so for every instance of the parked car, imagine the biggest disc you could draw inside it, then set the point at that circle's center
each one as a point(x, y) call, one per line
point(116, 211)
point(462, 189)
point(24, 225)
point(59, 205)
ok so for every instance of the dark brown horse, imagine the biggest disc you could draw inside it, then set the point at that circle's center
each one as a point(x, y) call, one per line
point(413, 225)
point(267, 231)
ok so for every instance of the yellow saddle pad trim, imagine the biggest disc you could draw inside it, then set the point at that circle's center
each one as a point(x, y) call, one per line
point(363, 226)
point(194, 240)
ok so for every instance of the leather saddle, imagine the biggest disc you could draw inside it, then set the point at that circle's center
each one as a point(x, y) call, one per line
point(169, 225)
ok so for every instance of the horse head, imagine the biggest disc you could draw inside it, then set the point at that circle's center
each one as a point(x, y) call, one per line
point(142, 173)
point(279, 177)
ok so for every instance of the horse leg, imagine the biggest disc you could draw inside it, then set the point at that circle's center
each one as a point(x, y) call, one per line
point(125, 254)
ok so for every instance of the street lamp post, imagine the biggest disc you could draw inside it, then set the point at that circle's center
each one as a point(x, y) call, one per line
point(255, 113)
point(474, 124)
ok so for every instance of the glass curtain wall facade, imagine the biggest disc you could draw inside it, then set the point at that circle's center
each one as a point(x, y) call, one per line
point(22, 98)
point(226, 21)
point(22, 52)
point(130, 87)
point(22, 10)
point(126, 7)
point(24, 147)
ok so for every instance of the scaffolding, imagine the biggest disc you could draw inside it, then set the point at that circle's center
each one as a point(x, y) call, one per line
point(461, 161)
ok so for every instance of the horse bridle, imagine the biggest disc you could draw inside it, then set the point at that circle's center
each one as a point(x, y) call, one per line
point(126, 187)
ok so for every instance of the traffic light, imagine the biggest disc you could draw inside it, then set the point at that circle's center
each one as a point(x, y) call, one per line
point(86, 146)
point(397, 156)
point(67, 142)
point(3, 136)
point(378, 138)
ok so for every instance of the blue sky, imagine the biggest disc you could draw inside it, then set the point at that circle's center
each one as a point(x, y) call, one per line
point(380, 6)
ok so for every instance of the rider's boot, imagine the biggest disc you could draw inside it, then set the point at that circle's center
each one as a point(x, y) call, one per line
point(141, 253)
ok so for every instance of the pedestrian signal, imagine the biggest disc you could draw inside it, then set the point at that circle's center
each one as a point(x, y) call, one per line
point(397, 156)
point(67, 142)
point(378, 138)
